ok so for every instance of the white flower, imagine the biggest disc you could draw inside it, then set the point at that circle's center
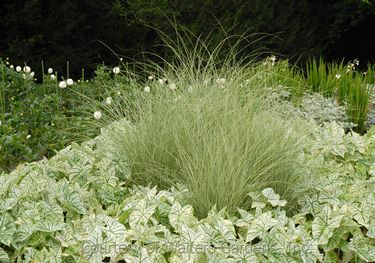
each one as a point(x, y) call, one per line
point(337, 76)
point(53, 77)
point(190, 88)
point(50, 71)
point(97, 115)
point(28, 136)
point(69, 82)
point(221, 81)
point(172, 86)
point(118, 93)
point(11, 66)
point(121, 59)
point(62, 84)
point(116, 70)
point(179, 97)
point(161, 81)
point(27, 69)
point(108, 101)
point(18, 69)
point(147, 89)
point(273, 58)
point(150, 77)
point(32, 74)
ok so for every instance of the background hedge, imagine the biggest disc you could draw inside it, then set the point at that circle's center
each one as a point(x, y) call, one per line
point(57, 31)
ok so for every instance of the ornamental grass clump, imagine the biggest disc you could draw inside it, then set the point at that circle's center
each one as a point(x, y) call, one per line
point(219, 143)
point(209, 126)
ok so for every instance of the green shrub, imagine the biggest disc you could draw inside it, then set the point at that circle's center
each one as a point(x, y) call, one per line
point(38, 119)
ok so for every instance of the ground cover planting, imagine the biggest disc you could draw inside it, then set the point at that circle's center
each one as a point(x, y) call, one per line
point(208, 157)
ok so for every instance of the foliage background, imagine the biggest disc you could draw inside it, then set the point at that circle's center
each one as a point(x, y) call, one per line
point(67, 30)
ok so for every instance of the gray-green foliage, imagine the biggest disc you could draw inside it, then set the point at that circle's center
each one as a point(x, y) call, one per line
point(311, 107)
point(321, 110)
point(218, 140)
point(371, 113)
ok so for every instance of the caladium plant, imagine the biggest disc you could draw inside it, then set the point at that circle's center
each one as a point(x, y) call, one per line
point(79, 207)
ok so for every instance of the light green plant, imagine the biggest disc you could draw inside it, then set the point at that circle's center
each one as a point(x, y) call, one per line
point(75, 207)
point(215, 142)
point(322, 110)
point(208, 127)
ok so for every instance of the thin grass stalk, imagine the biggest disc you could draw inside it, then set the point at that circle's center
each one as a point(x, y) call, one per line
point(2, 91)
point(43, 79)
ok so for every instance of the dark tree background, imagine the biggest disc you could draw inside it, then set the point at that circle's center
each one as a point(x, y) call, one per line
point(57, 31)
